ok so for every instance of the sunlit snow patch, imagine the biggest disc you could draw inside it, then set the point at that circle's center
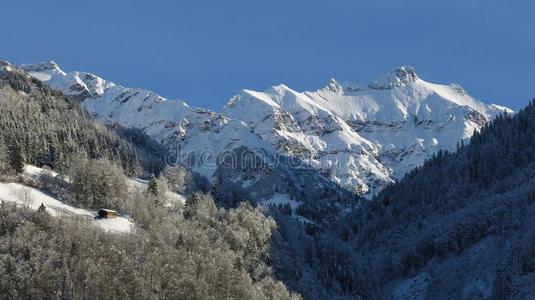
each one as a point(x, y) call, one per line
point(40, 76)
point(20, 194)
point(141, 185)
point(284, 199)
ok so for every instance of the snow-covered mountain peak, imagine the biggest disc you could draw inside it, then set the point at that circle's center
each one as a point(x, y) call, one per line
point(80, 85)
point(364, 136)
point(400, 76)
point(334, 86)
point(46, 67)
point(361, 137)
point(199, 135)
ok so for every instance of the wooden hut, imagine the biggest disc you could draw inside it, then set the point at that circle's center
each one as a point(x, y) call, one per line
point(106, 213)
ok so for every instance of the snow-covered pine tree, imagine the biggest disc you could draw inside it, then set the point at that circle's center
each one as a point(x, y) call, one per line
point(17, 157)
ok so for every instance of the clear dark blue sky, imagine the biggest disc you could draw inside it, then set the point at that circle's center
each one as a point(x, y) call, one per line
point(205, 51)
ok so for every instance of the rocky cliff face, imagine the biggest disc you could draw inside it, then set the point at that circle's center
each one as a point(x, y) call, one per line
point(364, 136)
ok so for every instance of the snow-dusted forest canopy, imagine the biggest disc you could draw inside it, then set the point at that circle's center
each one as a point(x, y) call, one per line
point(42, 126)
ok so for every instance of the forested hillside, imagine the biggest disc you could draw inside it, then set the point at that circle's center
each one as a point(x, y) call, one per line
point(41, 126)
point(204, 254)
point(462, 225)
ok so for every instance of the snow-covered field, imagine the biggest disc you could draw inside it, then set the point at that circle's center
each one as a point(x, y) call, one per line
point(35, 172)
point(33, 198)
point(23, 195)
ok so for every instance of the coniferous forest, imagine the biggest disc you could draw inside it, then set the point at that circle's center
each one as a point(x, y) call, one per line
point(463, 216)
point(41, 126)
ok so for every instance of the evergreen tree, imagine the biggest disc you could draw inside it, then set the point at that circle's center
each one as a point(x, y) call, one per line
point(157, 189)
point(42, 217)
point(176, 178)
point(5, 166)
point(16, 158)
point(152, 186)
point(191, 206)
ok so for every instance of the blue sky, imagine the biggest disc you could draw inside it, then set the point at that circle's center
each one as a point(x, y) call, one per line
point(205, 51)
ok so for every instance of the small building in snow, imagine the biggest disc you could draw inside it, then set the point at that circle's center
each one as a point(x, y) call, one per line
point(106, 214)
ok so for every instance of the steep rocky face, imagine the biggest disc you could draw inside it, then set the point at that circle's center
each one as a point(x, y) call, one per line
point(361, 137)
point(296, 125)
point(364, 136)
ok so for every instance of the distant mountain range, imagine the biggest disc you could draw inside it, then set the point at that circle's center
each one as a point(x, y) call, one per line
point(361, 137)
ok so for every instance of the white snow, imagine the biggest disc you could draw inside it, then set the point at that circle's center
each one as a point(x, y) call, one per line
point(36, 172)
point(20, 194)
point(141, 185)
point(502, 108)
point(281, 199)
point(40, 76)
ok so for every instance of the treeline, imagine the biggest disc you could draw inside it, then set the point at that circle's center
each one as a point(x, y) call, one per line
point(41, 126)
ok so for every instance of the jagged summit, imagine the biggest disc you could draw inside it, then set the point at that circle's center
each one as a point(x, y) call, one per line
point(4, 63)
point(400, 76)
point(406, 74)
point(334, 86)
point(43, 66)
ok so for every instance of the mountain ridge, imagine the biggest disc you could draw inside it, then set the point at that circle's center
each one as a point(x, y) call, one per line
point(362, 137)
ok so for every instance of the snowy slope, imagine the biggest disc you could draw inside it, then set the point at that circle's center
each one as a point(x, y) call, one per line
point(361, 137)
point(133, 182)
point(142, 185)
point(23, 195)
